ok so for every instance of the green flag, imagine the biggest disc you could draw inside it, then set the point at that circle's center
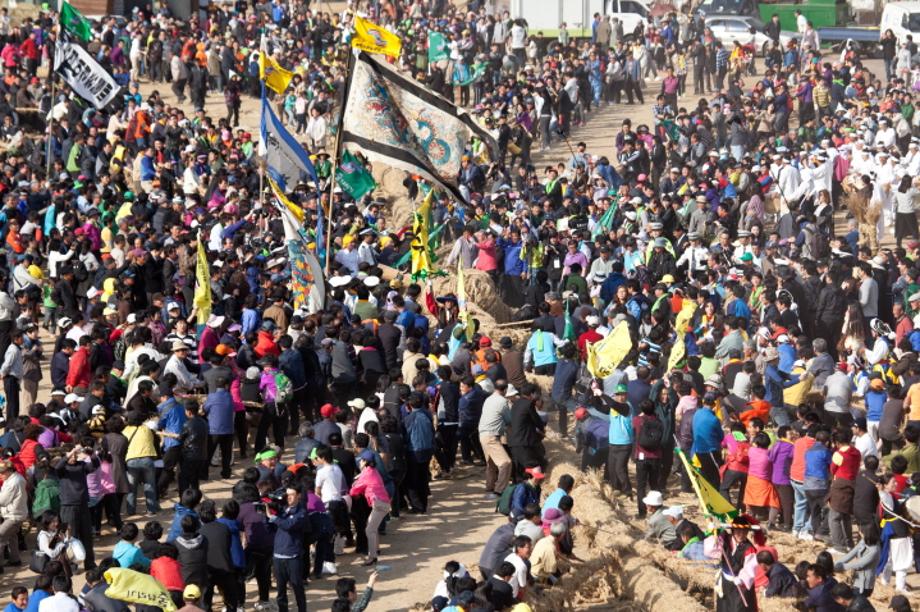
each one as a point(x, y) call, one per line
point(75, 23)
point(568, 332)
point(437, 47)
point(353, 177)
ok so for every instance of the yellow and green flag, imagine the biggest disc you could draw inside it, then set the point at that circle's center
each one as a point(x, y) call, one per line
point(202, 299)
point(712, 502)
point(372, 38)
point(420, 249)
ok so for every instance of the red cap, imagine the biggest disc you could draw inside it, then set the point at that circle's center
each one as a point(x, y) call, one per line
point(536, 473)
point(485, 341)
point(581, 413)
point(327, 411)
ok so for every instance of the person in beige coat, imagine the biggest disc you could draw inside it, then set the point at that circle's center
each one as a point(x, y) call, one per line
point(14, 509)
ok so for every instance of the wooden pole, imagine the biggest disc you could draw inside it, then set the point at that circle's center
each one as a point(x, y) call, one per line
point(335, 160)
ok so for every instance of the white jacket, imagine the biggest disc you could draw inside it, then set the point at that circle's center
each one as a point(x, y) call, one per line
point(14, 501)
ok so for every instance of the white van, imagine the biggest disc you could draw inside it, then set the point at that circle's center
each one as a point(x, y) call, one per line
point(902, 18)
point(630, 13)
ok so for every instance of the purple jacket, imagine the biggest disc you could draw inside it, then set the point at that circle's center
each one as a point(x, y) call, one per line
point(781, 456)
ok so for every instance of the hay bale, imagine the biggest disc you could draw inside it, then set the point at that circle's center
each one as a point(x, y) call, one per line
point(482, 295)
point(390, 189)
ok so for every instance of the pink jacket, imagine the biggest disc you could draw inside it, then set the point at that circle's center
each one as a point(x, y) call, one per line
point(101, 482)
point(486, 259)
point(370, 483)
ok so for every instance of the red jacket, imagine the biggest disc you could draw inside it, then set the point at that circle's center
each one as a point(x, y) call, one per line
point(168, 572)
point(266, 345)
point(27, 453)
point(78, 373)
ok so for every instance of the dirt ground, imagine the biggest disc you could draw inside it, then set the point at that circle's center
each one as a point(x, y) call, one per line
point(619, 572)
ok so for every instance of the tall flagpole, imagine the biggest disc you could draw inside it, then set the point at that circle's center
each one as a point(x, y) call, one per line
point(335, 159)
point(48, 152)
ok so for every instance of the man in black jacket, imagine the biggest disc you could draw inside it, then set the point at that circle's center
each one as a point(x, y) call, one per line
point(526, 431)
point(71, 471)
point(194, 439)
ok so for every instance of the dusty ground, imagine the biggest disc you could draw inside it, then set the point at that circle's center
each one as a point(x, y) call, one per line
point(617, 566)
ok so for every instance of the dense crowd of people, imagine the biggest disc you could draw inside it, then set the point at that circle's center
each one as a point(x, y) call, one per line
point(737, 241)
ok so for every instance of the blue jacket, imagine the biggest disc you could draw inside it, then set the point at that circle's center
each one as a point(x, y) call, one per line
point(289, 529)
point(127, 554)
point(775, 380)
point(542, 348)
point(564, 380)
point(172, 418)
point(523, 494)
point(620, 430)
point(419, 431)
point(787, 357)
point(875, 401)
point(470, 407)
point(291, 363)
point(179, 513)
point(817, 467)
point(219, 409)
point(707, 432)
point(237, 554)
point(514, 265)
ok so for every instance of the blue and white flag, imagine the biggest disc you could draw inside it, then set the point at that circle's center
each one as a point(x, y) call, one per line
point(288, 163)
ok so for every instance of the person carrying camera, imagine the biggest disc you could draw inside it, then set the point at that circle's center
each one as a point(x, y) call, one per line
point(71, 471)
point(289, 522)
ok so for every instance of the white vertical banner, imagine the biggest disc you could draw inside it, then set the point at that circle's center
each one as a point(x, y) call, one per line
point(84, 74)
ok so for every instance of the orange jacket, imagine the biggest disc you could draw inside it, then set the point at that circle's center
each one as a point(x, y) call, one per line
point(759, 409)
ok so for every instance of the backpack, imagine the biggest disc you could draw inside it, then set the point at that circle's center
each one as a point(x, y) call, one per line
point(503, 505)
point(651, 434)
point(816, 245)
point(47, 497)
point(284, 389)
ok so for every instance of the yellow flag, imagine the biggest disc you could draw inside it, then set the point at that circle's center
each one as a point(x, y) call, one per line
point(678, 352)
point(134, 587)
point(372, 38)
point(295, 210)
point(712, 502)
point(464, 314)
point(272, 74)
point(606, 355)
point(202, 299)
point(421, 261)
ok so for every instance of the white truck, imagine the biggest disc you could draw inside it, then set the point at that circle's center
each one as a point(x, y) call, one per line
point(544, 17)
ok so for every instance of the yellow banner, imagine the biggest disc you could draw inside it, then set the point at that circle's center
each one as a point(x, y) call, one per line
point(372, 38)
point(135, 587)
point(606, 355)
point(202, 299)
point(272, 74)
point(421, 261)
point(295, 210)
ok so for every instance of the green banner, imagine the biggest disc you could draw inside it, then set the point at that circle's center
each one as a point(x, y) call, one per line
point(354, 177)
point(75, 23)
point(437, 47)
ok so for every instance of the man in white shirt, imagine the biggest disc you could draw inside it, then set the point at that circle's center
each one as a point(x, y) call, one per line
point(331, 487)
point(522, 548)
point(862, 439)
point(62, 600)
point(176, 365)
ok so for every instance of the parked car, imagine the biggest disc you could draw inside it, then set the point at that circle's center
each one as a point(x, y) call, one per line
point(743, 29)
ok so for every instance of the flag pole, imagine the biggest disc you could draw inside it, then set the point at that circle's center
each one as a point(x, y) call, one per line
point(335, 160)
